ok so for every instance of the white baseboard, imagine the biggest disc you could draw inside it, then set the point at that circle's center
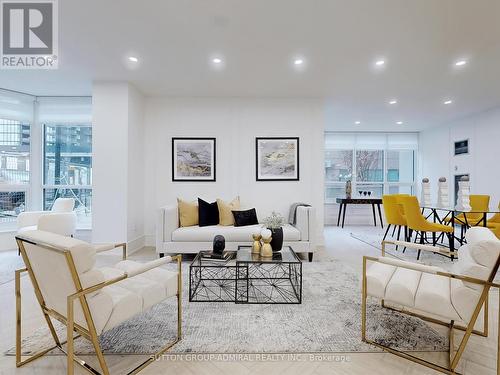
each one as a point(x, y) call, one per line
point(150, 240)
point(136, 244)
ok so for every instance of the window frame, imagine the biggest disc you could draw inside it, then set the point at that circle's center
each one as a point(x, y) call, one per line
point(24, 188)
point(357, 185)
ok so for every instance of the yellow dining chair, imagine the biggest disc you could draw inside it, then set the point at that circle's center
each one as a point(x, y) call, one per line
point(393, 215)
point(494, 222)
point(479, 204)
point(418, 223)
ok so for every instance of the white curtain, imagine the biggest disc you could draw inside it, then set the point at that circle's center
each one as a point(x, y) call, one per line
point(15, 106)
point(65, 110)
point(371, 141)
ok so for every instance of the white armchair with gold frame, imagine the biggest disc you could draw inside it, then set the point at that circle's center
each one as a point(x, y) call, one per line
point(458, 299)
point(87, 299)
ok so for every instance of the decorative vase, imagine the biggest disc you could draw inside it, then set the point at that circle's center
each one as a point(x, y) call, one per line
point(463, 195)
point(277, 238)
point(348, 189)
point(266, 251)
point(443, 193)
point(256, 243)
point(425, 199)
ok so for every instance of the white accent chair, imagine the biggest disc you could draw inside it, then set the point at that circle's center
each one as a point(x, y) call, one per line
point(87, 299)
point(61, 219)
point(453, 299)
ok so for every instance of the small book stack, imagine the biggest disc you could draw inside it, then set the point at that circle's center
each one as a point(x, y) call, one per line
point(224, 257)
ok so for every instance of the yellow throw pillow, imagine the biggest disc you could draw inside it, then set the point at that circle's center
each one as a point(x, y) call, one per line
point(188, 213)
point(225, 211)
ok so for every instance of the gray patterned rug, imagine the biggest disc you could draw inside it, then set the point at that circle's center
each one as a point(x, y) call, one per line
point(328, 320)
point(9, 261)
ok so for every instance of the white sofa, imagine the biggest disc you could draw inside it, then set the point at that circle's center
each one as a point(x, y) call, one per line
point(172, 239)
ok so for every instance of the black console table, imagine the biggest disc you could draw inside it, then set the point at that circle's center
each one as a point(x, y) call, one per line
point(343, 202)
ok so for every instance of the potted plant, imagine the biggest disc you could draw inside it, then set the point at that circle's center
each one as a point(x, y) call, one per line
point(274, 223)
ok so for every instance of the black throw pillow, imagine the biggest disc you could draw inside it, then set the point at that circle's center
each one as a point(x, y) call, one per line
point(243, 218)
point(208, 213)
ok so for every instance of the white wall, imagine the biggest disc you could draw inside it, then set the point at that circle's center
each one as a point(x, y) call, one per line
point(437, 154)
point(235, 123)
point(118, 149)
point(136, 176)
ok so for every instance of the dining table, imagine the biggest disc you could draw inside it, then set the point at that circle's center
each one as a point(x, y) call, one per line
point(440, 214)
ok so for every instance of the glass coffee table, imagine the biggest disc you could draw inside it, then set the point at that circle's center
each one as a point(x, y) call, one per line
point(247, 278)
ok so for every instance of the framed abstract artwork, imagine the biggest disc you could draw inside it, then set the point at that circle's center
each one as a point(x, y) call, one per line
point(193, 159)
point(277, 159)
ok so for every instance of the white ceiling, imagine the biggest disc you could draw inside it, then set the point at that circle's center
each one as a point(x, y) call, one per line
point(258, 39)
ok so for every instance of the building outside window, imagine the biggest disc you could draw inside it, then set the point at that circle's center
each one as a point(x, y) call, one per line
point(14, 169)
point(67, 163)
point(375, 163)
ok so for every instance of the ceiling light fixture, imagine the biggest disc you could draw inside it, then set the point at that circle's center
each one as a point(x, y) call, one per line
point(380, 62)
point(133, 59)
point(399, 122)
point(448, 101)
point(393, 101)
point(357, 122)
point(461, 63)
point(216, 60)
point(298, 62)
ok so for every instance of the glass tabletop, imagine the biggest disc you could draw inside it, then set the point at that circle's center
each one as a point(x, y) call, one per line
point(285, 255)
point(244, 254)
point(442, 208)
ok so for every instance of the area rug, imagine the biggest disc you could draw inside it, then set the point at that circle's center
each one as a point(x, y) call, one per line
point(374, 239)
point(328, 320)
point(9, 261)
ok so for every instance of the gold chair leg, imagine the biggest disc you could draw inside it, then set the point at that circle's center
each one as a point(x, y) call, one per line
point(498, 338)
point(363, 303)
point(451, 342)
point(19, 361)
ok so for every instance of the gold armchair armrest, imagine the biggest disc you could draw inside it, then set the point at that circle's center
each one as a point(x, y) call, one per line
point(417, 246)
point(102, 247)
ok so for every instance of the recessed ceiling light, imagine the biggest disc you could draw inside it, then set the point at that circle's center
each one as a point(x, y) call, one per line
point(298, 62)
point(461, 63)
point(380, 62)
point(393, 101)
point(399, 122)
point(133, 59)
point(357, 122)
point(216, 60)
point(448, 101)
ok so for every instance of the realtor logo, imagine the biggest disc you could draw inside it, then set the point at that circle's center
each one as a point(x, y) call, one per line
point(29, 34)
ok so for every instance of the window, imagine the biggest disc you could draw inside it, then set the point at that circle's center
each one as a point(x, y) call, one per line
point(67, 160)
point(14, 170)
point(375, 163)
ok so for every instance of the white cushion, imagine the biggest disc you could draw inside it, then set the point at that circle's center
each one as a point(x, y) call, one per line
point(467, 266)
point(464, 298)
point(230, 233)
point(477, 234)
point(82, 252)
point(63, 205)
point(126, 304)
point(433, 296)
point(137, 293)
point(377, 277)
point(402, 286)
point(27, 229)
point(167, 279)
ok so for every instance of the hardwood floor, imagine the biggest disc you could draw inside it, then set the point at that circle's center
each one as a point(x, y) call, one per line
point(479, 357)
